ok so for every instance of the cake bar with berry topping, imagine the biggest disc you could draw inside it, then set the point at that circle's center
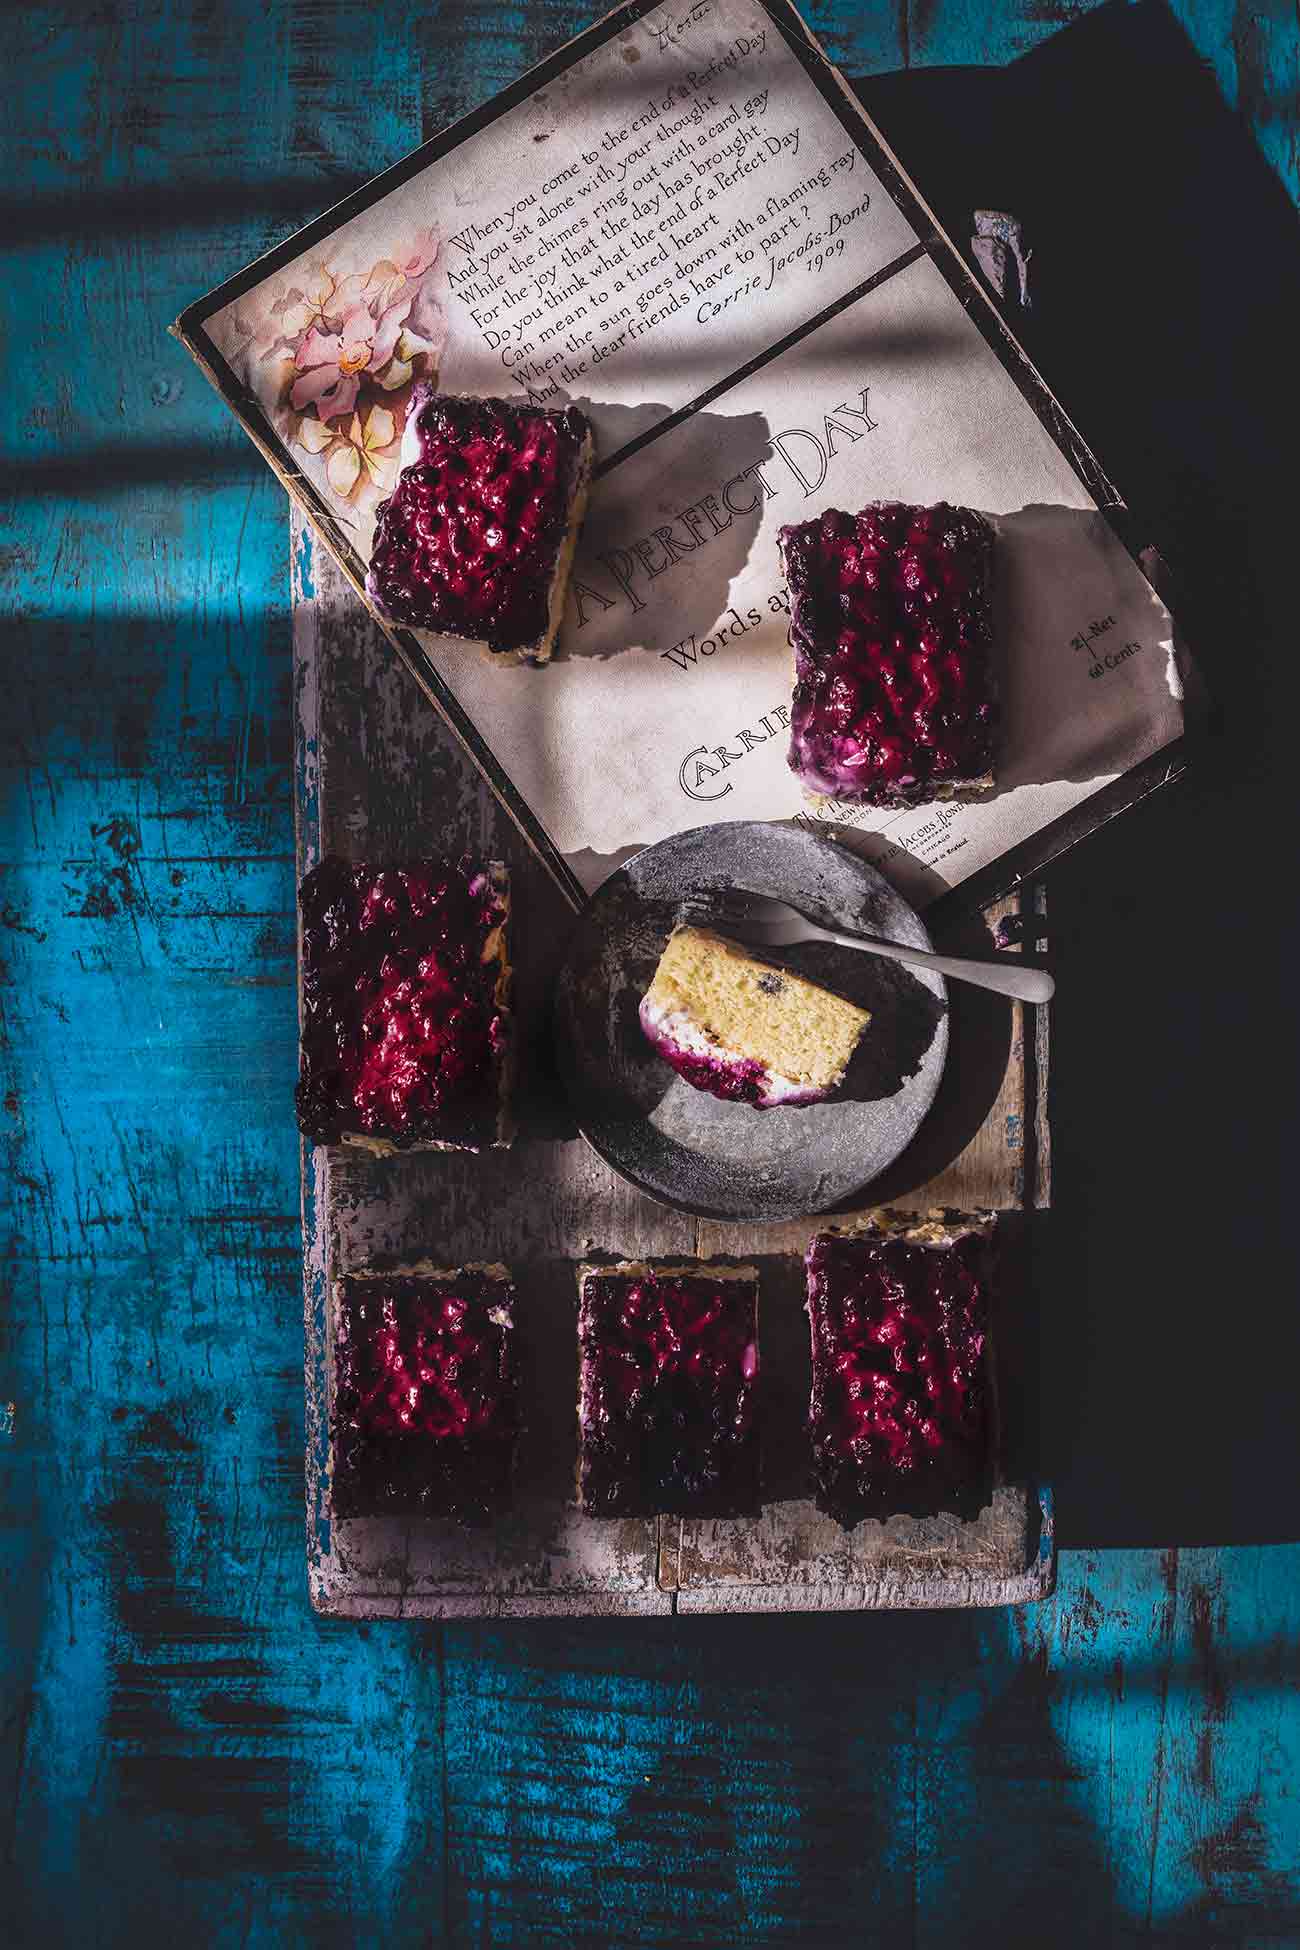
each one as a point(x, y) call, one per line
point(477, 538)
point(425, 1411)
point(901, 1412)
point(406, 1025)
point(892, 630)
point(667, 1390)
point(744, 1030)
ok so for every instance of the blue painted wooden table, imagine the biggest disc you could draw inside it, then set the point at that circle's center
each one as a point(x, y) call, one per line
point(186, 1748)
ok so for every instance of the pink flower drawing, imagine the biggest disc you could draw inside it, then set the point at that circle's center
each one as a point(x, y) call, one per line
point(344, 348)
point(421, 256)
point(331, 364)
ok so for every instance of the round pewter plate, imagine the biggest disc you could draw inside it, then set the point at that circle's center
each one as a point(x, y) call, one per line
point(729, 1160)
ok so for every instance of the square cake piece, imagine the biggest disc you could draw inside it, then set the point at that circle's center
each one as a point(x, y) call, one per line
point(900, 1414)
point(891, 624)
point(477, 538)
point(426, 1398)
point(406, 1026)
point(667, 1390)
point(742, 1029)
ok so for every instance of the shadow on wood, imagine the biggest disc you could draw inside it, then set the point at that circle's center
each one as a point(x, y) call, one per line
point(1167, 1318)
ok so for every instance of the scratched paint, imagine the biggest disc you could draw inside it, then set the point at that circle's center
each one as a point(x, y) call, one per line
point(184, 1746)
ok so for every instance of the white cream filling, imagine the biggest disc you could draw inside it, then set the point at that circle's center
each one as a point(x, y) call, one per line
point(678, 1027)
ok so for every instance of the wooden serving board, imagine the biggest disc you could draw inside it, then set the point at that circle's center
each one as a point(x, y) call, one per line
point(379, 776)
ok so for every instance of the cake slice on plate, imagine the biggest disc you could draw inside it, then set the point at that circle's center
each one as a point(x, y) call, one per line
point(425, 1411)
point(477, 538)
point(667, 1389)
point(406, 1025)
point(901, 1409)
point(892, 627)
point(744, 1029)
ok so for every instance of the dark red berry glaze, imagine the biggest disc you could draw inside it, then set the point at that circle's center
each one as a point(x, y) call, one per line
point(468, 542)
point(737, 1080)
point(899, 1412)
point(667, 1395)
point(426, 1409)
point(403, 1036)
point(892, 633)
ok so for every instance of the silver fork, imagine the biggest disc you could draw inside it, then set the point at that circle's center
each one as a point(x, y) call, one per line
point(762, 922)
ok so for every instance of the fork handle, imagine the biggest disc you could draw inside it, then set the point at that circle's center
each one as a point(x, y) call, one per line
point(1023, 984)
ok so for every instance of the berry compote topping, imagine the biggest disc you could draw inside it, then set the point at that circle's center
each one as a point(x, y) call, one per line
point(469, 540)
point(899, 1412)
point(892, 634)
point(425, 1396)
point(403, 1037)
point(737, 1079)
point(668, 1387)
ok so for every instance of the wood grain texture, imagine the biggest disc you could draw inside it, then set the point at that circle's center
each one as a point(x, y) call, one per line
point(186, 1750)
point(376, 781)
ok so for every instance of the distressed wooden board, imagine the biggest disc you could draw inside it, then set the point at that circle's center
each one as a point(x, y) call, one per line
point(378, 776)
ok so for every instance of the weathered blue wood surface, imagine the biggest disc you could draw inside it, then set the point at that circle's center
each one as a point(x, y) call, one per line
point(186, 1748)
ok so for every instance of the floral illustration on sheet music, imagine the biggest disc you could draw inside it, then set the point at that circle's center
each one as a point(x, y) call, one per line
point(333, 353)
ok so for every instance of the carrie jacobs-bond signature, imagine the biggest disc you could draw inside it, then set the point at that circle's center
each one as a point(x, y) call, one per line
point(796, 457)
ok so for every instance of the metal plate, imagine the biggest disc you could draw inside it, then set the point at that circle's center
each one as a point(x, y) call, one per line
point(728, 1160)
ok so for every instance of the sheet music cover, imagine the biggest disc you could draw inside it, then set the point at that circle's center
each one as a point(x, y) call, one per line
point(684, 224)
